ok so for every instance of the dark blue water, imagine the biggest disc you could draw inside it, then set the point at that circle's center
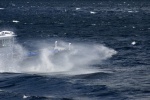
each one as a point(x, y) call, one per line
point(113, 24)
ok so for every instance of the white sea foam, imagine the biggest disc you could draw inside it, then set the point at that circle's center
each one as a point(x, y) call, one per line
point(15, 21)
point(25, 97)
point(78, 60)
point(1, 90)
point(2, 8)
point(92, 12)
point(93, 24)
point(133, 43)
point(78, 8)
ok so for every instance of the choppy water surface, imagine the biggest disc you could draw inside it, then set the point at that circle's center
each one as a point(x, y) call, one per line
point(109, 57)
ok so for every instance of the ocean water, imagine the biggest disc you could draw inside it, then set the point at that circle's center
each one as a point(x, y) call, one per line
point(109, 57)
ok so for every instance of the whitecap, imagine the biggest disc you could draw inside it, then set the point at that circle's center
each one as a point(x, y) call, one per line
point(92, 12)
point(15, 21)
point(130, 11)
point(93, 24)
point(25, 96)
point(1, 90)
point(133, 26)
point(133, 43)
point(78, 8)
point(2, 8)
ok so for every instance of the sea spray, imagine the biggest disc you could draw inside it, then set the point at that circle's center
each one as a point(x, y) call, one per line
point(10, 60)
point(77, 60)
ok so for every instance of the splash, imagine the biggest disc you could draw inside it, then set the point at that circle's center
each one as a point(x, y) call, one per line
point(77, 60)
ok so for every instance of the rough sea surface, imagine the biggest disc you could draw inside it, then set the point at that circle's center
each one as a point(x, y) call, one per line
point(112, 61)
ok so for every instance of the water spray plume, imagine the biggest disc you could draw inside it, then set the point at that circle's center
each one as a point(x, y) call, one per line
point(77, 59)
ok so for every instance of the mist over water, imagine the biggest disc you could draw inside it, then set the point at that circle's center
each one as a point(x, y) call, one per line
point(11, 57)
point(78, 60)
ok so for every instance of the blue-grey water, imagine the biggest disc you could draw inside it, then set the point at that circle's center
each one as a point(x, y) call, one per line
point(120, 28)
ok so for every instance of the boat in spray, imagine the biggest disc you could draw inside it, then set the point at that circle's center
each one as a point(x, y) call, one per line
point(8, 47)
point(7, 44)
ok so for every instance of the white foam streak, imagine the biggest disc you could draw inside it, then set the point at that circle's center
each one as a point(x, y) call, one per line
point(25, 97)
point(78, 8)
point(2, 8)
point(92, 12)
point(15, 21)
